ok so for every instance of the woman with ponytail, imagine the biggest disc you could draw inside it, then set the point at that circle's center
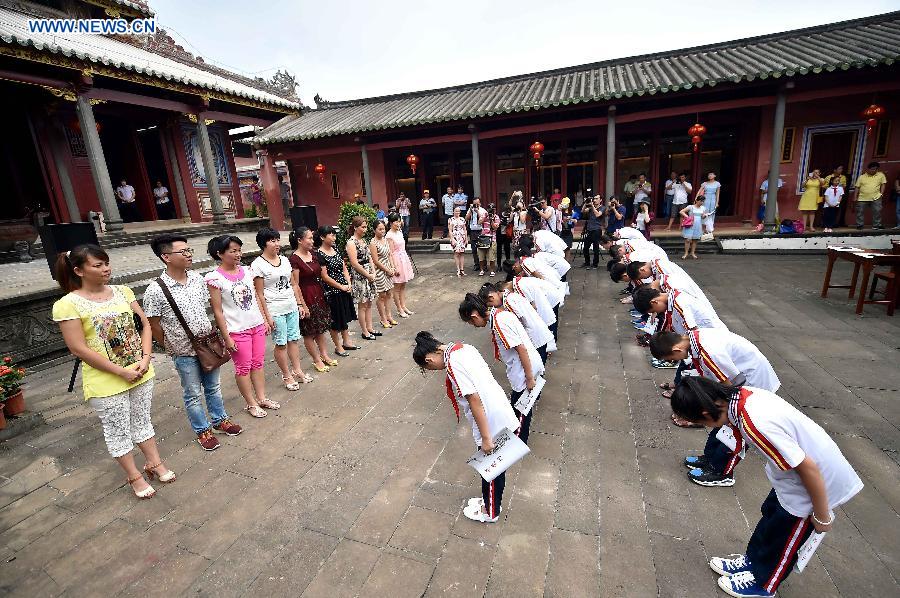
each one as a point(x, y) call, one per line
point(98, 324)
point(472, 388)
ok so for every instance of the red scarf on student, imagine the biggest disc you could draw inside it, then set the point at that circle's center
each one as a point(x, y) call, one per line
point(451, 378)
point(495, 330)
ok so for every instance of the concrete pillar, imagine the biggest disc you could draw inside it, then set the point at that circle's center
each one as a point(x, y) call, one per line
point(166, 139)
point(365, 165)
point(99, 171)
point(57, 147)
point(209, 169)
point(610, 187)
point(775, 154)
point(476, 165)
point(268, 176)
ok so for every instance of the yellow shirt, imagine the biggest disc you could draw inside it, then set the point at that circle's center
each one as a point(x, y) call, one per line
point(831, 176)
point(868, 186)
point(108, 330)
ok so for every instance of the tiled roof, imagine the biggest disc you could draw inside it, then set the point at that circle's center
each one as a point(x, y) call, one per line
point(113, 53)
point(859, 43)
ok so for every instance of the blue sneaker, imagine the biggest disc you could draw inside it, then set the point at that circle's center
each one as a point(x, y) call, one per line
point(705, 477)
point(696, 462)
point(734, 564)
point(743, 585)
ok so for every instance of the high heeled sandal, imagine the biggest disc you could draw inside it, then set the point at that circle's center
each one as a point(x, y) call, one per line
point(269, 404)
point(409, 313)
point(393, 322)
point(256, 411)
point(166, 478)
point(322, 369)
point(385, 324)
point(332, 362)
point(147, 492)
point(290, 385)
point(304, 378)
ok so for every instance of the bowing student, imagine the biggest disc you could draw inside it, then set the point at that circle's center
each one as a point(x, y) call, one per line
point(531, 266)
point(511, 346)
point(472, 388)
point(671, 274)
point(559, 264)
point(726, 357)
point(543, 295)
point(810, 478)
point(546, 240)
point(520, 306)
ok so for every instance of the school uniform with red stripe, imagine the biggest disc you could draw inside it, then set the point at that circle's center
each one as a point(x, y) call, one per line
point(786, 437)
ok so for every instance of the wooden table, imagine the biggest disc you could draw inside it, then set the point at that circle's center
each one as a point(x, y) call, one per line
point(865, 260)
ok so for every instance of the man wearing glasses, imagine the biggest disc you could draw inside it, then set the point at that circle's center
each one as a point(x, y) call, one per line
point(189, 291)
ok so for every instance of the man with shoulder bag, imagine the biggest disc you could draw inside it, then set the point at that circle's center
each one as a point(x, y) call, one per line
point(175, 304)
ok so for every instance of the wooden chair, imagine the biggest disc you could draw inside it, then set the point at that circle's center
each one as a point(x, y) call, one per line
point(891, 290)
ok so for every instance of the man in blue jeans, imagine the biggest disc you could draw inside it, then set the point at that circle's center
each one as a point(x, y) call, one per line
point(190, 294)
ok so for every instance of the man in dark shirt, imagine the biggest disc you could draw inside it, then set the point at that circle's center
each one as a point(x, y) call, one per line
point(593, 210)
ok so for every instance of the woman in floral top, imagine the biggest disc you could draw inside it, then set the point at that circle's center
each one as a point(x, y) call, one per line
point(306, 276)
point(336, 280)
point(97, 322)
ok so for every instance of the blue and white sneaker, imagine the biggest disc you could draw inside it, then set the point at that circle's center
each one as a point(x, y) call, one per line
point(696, 462)
point(734, 564)
point(705, 477)
point(743, 585)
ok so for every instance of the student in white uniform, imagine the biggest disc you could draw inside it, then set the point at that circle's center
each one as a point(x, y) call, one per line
point(471, 385)
point(633, 251)
point(531, 266)
point(628, 232)
point(546, 297)
point(519, 306)
point(511, 346)
point(559, 264)
point(673, 276)
point(545, 240)
point(726, 357)
point(810, 478)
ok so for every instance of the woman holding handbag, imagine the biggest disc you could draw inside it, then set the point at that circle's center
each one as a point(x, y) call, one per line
point(175, 304)
point(692, 226)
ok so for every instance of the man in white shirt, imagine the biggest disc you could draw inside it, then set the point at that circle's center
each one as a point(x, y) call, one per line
point(449, 204)
point(475, 218)
point(682, 190)
point(127, 202)
point(642, 191)
point(763, 198)
point(427, 207)
point(726, 357)
point(548, 216)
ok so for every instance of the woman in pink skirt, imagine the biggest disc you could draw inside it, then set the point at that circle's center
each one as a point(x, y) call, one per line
point(402, 264)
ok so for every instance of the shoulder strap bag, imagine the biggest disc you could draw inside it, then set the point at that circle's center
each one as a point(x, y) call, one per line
point(210, 348)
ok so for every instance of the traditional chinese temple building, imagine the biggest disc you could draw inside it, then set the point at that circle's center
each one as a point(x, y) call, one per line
point(86, 111)
point(599, 123)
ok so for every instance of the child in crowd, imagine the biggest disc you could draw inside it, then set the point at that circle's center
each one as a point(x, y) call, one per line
point(511, 346)
point(519, 306)
point(471, 385)
point(810, 477)
point(832, 208)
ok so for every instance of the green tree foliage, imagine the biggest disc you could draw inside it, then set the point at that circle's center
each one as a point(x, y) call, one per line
point(348, 211)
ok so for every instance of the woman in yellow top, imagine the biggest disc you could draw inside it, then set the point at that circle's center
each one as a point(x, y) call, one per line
point(809, 201)
point(97, 322)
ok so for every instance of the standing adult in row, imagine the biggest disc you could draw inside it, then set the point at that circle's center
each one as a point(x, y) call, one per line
point(487, 255)
point(809, 201)
point(449, 204)
point(336, 280)
point(404, 209)
point(519, 219)
point(710, 191)
point(97, 322)
point(459, 241)
point(681, 192)
point(282, 306)
point(868, 191)
point(191, 297)
point(628, 191)
point(504, 233)
point(127, 199)
point(427, 207)
point(403, 269)
point(306, 277)
point(669, 194)
point(594, 211)
point(239, 317)
point(165, 209)
point(642, 191)
point(383, 267)
point(474, 221)
point(362, 278)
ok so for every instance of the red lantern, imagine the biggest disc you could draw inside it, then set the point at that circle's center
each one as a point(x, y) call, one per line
point(413, 161)
point(320, 170)
point(872, 114)
point(536, 149)
point(870, 124)
point(697, 131)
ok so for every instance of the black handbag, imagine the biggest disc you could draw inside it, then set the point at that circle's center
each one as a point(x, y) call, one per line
point(484, 241)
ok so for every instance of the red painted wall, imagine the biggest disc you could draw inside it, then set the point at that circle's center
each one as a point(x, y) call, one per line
point(308, 190)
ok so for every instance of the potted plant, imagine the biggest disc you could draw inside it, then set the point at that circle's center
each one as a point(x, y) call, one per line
point(11, 377)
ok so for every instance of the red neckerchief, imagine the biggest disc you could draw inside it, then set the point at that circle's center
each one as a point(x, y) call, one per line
point(516, 286)
point(506, 304)
point(495, 331)
point(667, 322)
point(451, 378)
point(694, 335)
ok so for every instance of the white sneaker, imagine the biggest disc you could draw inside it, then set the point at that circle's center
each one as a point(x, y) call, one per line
point(475, 501)
point(474, 512)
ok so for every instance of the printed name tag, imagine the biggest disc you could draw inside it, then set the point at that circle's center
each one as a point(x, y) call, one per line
point(726, 436)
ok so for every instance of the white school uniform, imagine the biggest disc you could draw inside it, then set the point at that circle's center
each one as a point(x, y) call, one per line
point(468, 373)
point(674, 276)
point(642, 251)
point(544, 295)
point(685, 313)
point(531, 320)
point(724, 356)
point(550, 242)
point(628, 232)
point(557, 263)
point(785, 437)
point(532, 266)
point(508, 333)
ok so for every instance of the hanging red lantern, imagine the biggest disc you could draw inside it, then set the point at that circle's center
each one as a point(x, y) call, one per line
point(536, 149)
point(320, 170)
point(872, 114)
point(697, 131)
point(413, 161)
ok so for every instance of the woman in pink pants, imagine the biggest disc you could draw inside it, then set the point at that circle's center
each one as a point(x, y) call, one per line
point(241, 321)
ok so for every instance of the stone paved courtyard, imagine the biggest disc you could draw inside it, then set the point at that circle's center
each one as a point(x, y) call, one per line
point(355, 486)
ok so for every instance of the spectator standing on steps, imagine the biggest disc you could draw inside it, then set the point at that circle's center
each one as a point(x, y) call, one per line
point(593, 211)
point(427, 207)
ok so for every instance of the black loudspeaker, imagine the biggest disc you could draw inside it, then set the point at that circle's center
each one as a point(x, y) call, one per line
point(304, 216)
point(59, 238)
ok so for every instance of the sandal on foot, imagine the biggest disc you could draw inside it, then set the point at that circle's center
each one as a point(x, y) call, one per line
point(321, 369)
point(350, 348)
point(409, 313)
point(303, 378)
point(666, 394)
point(166, 478)
point(393, 322)
point(332, 362)
point(403, 315)
point(147, 492)
point(341, 353)
point(683, 423)
point(290, 385)
point(667, 386)
point(269, 404)
point(256, 411)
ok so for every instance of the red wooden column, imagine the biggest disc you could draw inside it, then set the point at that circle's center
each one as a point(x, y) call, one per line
point(268, 176)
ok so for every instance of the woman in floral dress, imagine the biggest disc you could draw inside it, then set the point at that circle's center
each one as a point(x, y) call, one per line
point(384, 272)
point(306, 275)
point(459, 240)
point(337, 290)
point(362, 279)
